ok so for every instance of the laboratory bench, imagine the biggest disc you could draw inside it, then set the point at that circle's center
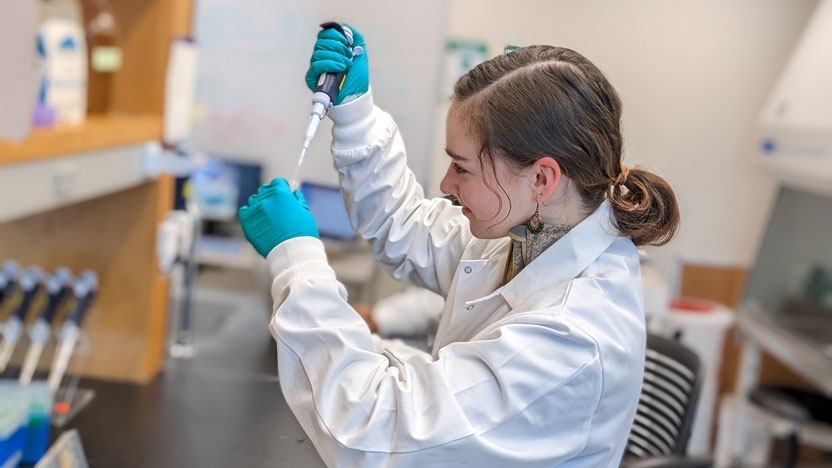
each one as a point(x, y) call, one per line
point(221, 408)
point(801, 342)
point(786, 313)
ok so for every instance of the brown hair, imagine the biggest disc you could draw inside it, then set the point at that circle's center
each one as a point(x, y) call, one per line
point(544, 101)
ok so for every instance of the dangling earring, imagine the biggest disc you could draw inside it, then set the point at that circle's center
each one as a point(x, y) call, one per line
point(535, 224)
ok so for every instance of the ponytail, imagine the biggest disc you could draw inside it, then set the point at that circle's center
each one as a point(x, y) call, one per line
point(644, 207)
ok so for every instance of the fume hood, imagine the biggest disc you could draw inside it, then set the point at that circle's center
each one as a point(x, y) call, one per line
point(795, 143)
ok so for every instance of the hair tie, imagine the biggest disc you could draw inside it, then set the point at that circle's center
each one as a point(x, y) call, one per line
point(622, 175)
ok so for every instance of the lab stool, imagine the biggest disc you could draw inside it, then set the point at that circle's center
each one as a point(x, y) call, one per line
point(796, 414)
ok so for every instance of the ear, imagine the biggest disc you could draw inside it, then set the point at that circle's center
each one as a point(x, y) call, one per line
point(546, 176)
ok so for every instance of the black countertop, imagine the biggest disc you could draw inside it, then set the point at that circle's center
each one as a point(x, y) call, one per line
point(221, 408)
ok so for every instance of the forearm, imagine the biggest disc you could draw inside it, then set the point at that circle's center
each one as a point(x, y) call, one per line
point(419, 241)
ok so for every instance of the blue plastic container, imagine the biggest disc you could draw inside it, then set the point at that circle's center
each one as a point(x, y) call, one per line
point(14, 418)
point(37, 430)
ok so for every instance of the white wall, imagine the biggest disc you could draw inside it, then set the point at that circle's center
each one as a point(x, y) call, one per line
point(694, 77)
point(251, 98)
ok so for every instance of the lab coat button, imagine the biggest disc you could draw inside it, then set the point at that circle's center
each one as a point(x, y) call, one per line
point(468, 269)
point(469, 307)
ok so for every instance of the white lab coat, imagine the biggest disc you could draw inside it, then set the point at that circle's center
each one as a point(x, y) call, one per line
point(414, 311)
point(544, 371)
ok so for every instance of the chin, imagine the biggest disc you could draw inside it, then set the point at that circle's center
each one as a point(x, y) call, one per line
point(485, 233)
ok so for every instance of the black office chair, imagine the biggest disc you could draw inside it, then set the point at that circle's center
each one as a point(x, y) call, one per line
point(666, 408)
point(798, 406)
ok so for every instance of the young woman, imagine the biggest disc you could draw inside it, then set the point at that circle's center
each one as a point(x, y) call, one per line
point(539, 353)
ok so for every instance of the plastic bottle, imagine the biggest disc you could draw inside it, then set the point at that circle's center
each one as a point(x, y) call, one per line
point(63, 52)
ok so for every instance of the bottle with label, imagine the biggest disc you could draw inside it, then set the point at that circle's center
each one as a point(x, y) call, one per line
point(63, 53)
point(104, 54)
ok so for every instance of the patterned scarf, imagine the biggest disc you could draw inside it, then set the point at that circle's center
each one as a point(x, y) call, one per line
point(526, 246)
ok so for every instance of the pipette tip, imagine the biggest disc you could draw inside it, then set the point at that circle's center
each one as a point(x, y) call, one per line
point(294, 182)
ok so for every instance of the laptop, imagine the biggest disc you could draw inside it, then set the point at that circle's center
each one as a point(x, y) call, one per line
point(327, 207)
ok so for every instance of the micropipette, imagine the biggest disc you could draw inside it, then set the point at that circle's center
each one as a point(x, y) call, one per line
point(329, 85)
point(29, 282)
point(84, 289)
point(7, 276)
point(57, 287)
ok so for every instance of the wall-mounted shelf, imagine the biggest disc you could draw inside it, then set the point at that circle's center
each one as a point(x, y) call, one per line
point(40, 185)
point(79, 197)
point(97, 132)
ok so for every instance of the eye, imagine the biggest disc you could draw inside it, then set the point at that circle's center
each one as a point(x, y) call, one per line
point(458, 169)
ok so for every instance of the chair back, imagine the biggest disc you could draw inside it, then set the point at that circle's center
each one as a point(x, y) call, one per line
point(667, 405)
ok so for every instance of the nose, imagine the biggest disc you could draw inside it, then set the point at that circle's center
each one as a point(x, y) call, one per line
point(446, 185)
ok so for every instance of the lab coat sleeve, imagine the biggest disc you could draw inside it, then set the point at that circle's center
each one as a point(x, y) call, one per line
point(522, 393)
point(419, 241)
point(410, 312)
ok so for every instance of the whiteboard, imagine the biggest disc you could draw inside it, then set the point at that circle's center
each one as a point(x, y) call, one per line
point(251, 100)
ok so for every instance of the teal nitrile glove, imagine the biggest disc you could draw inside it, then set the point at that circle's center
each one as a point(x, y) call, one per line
point(332, 54)
point(275, 214)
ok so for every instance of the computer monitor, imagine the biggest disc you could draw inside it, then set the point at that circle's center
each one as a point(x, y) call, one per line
point(246, 178)
point(792, 275)
point(327, 207)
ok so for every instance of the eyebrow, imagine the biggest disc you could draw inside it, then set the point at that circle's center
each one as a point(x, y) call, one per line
point(455, 156)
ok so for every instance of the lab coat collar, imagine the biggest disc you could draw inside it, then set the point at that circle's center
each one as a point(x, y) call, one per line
point(566, 258)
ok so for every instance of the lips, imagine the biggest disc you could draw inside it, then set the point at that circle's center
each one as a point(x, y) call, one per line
point(453, 199)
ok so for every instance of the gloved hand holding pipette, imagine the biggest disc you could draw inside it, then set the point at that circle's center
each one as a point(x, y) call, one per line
point(331, 55)
point(338, 49)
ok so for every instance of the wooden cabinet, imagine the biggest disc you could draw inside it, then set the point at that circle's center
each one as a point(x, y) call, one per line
point(76, 196)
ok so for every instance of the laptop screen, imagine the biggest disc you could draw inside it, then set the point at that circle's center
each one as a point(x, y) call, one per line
point(327, 207)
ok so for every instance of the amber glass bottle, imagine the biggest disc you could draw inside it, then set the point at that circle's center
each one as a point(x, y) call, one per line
point(104, 54)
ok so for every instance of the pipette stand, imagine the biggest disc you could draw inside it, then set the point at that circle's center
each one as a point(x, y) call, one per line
point(66, 451)
point(183, 274)
point(69, 399)
point(183, 347)
point(181, 338)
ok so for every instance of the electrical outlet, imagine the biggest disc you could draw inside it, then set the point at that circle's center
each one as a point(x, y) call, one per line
point(63, 181)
